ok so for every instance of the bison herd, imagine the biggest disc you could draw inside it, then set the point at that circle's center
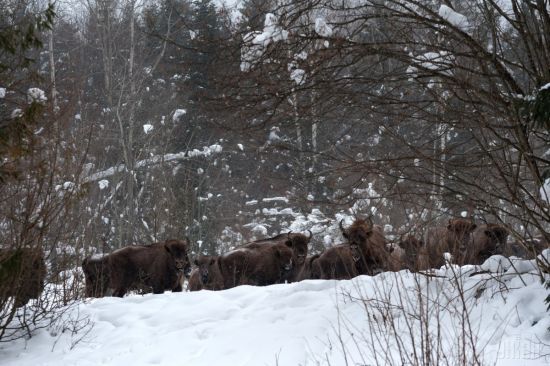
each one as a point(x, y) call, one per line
point(283, 258)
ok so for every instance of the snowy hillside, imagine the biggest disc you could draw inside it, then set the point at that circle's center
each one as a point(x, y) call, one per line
point(312, 322)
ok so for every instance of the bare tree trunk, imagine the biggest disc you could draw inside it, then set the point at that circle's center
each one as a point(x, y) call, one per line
point(52, 72)
point(105, 26)
point(132, 219)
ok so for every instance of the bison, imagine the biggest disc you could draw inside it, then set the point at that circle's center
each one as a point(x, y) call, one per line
point(335, 263)
point(307, 272)
point(453, 239)
point(97, 275)
point(485, 241)
point(368, 246)
point(408, 254)
point(207, 275)
point(397, 260)
point(259, 265)
point(22, 275)
point(160, 266)
point(297, 242)
point(527, 249)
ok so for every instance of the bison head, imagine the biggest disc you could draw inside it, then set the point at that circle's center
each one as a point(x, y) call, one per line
point(497, 236)
point(410, 245)
point(298, 243)
point(357, 236)
point(284, 259)
point(461, 229)
point(204, 263)
point(178, 251)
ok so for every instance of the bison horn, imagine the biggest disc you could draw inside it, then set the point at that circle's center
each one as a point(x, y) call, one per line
point(310, 235)
point(288, 235)
point(342, 226)
point(369, 220)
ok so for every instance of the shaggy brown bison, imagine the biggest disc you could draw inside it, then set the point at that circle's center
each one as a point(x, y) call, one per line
point(368, 246)
point(335, 263)
point(306, 272)
point(408, 254)
point(485, 241)
point(22, 275)
point(527, 249)
point(160, 266)
point(297, 242)
point(207, 275)
point(397, 259)
point(259, 265)
point(454, 239)
point(97, 275)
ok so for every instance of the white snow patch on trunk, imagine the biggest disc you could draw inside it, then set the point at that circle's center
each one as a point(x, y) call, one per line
point(322, 28)
point(147, 128)
point(178, 114)
point(545, 191)
point(104, 183)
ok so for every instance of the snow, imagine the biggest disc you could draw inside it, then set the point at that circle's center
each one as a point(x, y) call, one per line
point(456, 19)
point(240, 146)
point(273, 136)
point(65, 186)
point(276, 212)
point(545, 191)
point(298, 76)
point(275, 199)
point(256, 42)
point(16, 113)
point(234, 8)
point(272, 31)
point(2, 93)
point(301, 323)
point(544, 87)
point(147, 128)
point(36, 95)
point(178, 113)
point(322, 28)
point(206, 198)
point(259, 230)
point(228, 3)
point(207, 151)
point(442, 62)
point(104, 183)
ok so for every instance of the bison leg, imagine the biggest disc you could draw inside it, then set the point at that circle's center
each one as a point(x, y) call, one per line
point(21, 300)
point(119, 292)
point(178, 288)
point(158, 289)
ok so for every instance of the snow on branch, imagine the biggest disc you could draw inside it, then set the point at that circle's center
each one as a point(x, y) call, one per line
point(255, 43)
point(441, 62)
point(206, 152)
point(456, 19)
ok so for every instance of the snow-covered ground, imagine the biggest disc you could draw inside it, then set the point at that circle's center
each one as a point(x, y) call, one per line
point(374, 319)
